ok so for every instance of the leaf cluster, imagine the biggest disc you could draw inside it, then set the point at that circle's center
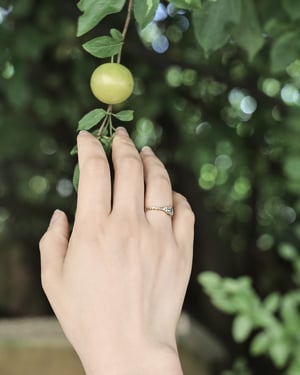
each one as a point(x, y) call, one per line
point(271, 325)
point(110, 46)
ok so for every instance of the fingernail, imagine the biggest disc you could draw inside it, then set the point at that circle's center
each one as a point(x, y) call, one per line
point(147, 150)
point(83, 132)
point(56, 216)
point(122, 130)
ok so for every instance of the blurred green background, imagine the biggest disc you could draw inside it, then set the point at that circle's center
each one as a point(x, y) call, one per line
point(227, 128)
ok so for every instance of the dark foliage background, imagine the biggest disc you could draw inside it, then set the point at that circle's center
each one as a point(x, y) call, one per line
point(227, 128)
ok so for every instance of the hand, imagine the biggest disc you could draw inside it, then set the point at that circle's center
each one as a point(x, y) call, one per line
point(117, 284)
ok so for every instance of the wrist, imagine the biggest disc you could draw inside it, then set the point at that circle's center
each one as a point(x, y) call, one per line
point(164, 360)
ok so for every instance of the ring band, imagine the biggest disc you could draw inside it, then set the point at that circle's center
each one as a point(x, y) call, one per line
point(169, 210)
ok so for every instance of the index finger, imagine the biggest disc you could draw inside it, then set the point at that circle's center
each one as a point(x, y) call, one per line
point(94, 189)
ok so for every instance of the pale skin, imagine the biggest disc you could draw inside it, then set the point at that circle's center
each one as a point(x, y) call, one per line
point(118, 282)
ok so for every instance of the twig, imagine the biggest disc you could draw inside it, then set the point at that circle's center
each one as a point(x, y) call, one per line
point(125, 29)
point(104, 122)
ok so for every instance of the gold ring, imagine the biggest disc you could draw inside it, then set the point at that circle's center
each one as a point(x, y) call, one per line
point(169, 210)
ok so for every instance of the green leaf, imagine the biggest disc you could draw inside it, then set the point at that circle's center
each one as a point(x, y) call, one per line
point(241, 328)
point(223, 303)
point(106, 143)
point(271, 302)
point(74, 151)
point(294, 366)
point(263, 317)
point(289, 309)
point(260, 344)
point(209, 280)
point(144, 11)
point(279, 352)
point(94, 11)
point(243, 302)
point(213, 23)
point(116, 35)
point(103, 46)
point(292, 7)
point(241, 284)
point(91, 119)
point(187, 4)
point(76, 177)
point(81, 4)
point(248, 33)
point(124, 115)
point(285, 50)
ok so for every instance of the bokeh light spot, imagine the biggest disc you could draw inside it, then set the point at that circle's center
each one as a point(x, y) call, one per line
point(271, 87)
point(241, 188)
point(290, 94)
point(208, 172)
point(160, 44)
point(289, 214)
point(174, 76)
point(4, 214)
point(248, 105)
point(8, 71)
point(64, 187)
point(161, 13)
point(39, 185)
point(223, 161)
point(265, 242)
point(235, 97)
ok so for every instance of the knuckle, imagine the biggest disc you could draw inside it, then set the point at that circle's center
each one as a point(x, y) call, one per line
point(155, 163)
point(130, 161)
point(189, 215)
point(129, 228)
point(161, 178)
point(46, 278)
point(180, 197)
point(93, 163)
point(122, 143)
point(185, 206)
point(157, 171)
point(43, 241)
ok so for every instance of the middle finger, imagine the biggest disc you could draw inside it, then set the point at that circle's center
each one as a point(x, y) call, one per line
point(128, 192)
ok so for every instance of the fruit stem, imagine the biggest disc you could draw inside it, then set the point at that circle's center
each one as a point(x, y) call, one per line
point(125, 29)
point(111, 128)
point(104, 122)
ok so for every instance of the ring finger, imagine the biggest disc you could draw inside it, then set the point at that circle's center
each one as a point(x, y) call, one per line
point(158, 187)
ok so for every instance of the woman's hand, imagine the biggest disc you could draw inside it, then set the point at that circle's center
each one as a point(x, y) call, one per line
point(117, 284)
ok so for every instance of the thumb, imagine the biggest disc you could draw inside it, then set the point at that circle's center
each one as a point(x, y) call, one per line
point(53, 247)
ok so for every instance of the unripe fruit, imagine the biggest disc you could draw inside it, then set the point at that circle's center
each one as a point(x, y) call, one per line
point(112, 83)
